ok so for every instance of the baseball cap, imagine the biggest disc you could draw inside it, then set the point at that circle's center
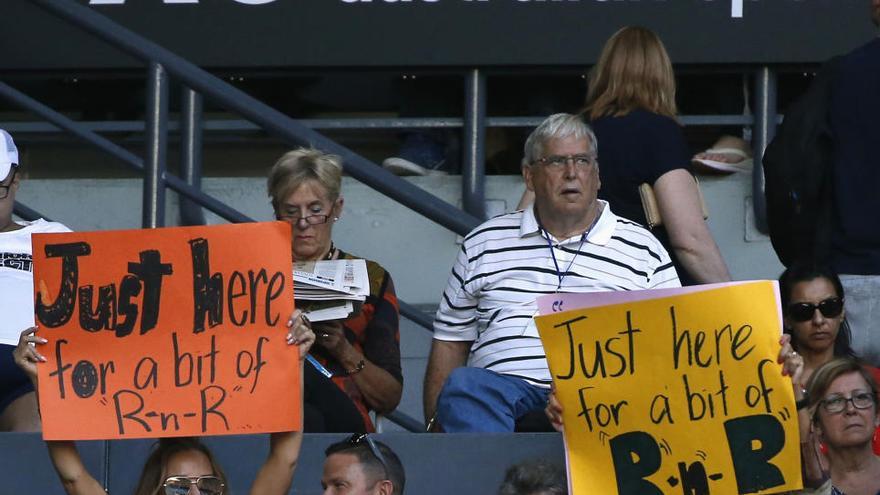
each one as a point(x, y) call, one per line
point(8, 154)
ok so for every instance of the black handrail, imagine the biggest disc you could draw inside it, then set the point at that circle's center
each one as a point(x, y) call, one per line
point(27, 213)
point(133, 161)
point(271, 120)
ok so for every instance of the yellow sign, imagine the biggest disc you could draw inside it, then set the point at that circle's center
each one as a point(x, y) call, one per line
point(679, 394)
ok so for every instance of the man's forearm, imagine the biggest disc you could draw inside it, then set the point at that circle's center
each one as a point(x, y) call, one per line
point(445, 356)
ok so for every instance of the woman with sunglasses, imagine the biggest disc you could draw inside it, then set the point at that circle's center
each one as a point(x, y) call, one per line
point(815, 317)
point(18, 403)
point(177, 466)
point(842, 412)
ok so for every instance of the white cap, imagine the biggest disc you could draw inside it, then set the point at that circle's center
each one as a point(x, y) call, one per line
point(8, 154)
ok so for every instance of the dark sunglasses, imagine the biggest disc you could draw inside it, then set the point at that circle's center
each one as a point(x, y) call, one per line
point(359, 438)
point(802, 311)
point(180, 485)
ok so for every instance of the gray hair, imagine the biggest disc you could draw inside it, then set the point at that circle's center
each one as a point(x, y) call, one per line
point(557, 126)
point(302, 165)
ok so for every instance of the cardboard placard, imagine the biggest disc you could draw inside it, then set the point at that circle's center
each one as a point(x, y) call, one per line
point(674, 392)
point(166, 332)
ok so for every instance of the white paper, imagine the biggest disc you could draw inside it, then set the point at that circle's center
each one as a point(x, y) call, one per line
point(16, 305)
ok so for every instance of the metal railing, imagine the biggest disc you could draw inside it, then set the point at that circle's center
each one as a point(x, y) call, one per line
point(156, 179)
point(259, 116)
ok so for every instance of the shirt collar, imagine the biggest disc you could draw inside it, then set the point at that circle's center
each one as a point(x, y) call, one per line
point(600, 234)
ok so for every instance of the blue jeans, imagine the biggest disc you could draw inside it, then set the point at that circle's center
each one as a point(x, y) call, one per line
point(862, 293)
point(479, 400)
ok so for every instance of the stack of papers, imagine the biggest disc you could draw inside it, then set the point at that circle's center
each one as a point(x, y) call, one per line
point(331, 287)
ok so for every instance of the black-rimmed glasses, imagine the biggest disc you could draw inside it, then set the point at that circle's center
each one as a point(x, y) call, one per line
point(803, 311)
point(359, 438)
point(4, 190)
point(181, 485)
point(581, 160)
point(837, 403)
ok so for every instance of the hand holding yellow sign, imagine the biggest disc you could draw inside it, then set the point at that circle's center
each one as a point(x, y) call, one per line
point(676, 394)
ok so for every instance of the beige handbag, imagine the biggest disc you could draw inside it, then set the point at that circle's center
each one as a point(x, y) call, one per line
point(652, 211)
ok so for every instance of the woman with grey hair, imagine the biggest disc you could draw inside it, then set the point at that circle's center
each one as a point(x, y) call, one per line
point(359, 356)
point(842, 409)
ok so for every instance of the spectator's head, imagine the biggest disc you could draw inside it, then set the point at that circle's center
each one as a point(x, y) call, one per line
point(559, 166)
point(813, 309)
point(362, 466)
point(844, 395)
point(633, 72)
point(875, 12)
point(180, 463)
point(534, 478)
point(304, 185)
point(8, 176)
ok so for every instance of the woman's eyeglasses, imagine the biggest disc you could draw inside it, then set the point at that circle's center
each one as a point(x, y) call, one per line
point(803, 311)
point(837, 403)
point(181, 485)
point(4, 190)
point(359, 438)
point(311, 219)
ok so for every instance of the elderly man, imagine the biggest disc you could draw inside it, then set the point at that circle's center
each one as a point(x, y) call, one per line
point(362, 466)
point(568, 241)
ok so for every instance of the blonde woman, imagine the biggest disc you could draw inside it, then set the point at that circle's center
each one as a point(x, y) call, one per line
point(631, 107)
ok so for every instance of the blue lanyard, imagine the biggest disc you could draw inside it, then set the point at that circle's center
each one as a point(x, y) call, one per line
point(546, 235)
point(559, 274)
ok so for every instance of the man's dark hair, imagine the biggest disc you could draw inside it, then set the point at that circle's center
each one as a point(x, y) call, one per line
point(534, 477)
point(371, 465)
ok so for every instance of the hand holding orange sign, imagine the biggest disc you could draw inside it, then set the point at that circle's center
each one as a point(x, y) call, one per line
point(166, 332)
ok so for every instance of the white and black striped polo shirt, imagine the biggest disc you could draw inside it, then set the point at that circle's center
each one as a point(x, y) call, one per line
point(505, 264)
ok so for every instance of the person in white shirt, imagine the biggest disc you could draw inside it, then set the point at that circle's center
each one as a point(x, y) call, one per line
point(18, 404)
point(487, 367)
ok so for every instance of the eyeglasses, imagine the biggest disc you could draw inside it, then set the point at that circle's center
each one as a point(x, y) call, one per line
point(802, 311)
point(4, 189)
point(837, 403)
point(582, 160)
point(181, 485)
point(359, 438)
point(311, 219)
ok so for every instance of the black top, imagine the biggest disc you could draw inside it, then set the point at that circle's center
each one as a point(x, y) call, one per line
point(634, 149)
point(855, 107)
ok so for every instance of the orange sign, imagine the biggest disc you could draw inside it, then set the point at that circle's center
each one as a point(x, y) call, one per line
point(166, 332)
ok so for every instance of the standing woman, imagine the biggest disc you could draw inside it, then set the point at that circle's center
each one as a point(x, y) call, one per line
point(18, 403)
point(362, 352)
point(631, 107)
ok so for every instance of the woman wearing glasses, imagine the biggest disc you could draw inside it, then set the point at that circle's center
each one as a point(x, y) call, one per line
point(631, 107)
point(18, 403)
point(842, 412)
point(813, 314)
point(360, 356)
point(177, 466)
